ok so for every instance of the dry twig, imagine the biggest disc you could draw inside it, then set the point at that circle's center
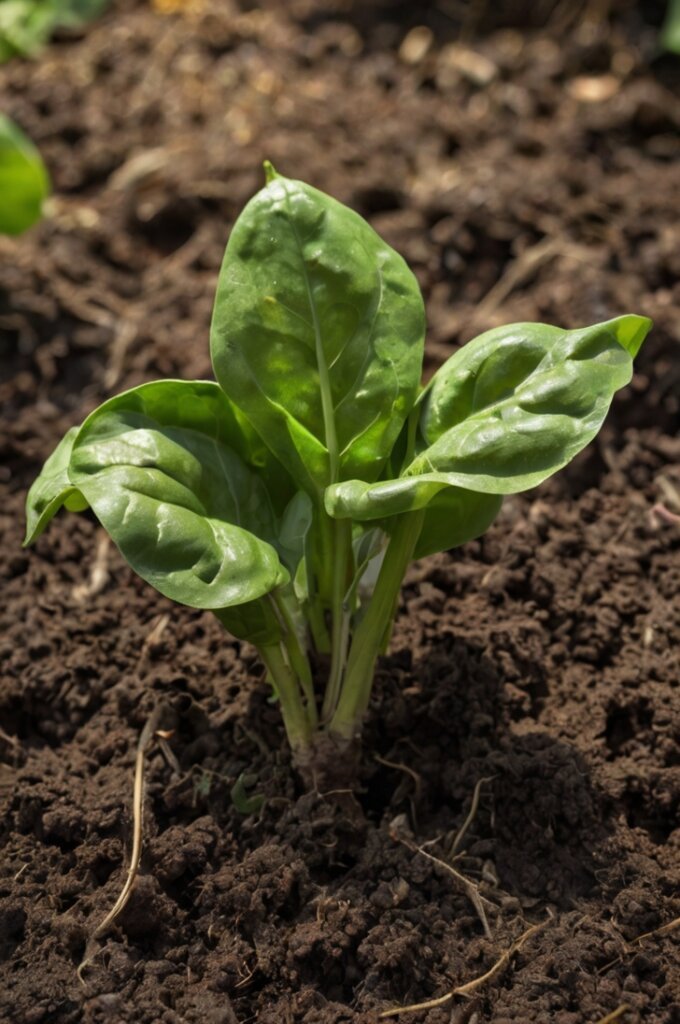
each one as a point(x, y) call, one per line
point(671, 492)
point(417, 785)
point(471, 890)
point(516, 274)
point(146, 738)
point(12, 740)
point(614, 1015)
point(99, 573)
point(471, 986)
point(664, 929)
point(402, 768)
point(460, 834)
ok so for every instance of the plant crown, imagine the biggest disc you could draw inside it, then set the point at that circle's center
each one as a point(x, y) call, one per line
point(290, 496)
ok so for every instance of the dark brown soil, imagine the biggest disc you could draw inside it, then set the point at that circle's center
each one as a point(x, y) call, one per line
point(540, 184)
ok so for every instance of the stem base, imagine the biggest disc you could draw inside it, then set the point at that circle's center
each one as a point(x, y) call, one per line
point(330, 765)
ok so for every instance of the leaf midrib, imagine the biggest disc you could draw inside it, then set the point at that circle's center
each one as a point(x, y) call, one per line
point(330, 432)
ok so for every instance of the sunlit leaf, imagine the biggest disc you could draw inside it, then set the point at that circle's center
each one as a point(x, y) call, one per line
point(52, 490)
point(518, 403)
point(317, 333)
point(187, 513)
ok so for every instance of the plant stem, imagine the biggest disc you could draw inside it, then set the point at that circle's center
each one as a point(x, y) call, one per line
point(371, 632)
point(342, 547)
point(317, 626)
point(295, 716)
point(296, 655)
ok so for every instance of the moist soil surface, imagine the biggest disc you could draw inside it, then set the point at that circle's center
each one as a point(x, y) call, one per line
point(527, 173)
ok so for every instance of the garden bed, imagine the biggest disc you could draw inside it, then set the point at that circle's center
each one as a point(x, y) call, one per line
point(523, 176)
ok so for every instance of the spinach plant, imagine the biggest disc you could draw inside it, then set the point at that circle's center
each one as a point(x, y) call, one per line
point(290, 496)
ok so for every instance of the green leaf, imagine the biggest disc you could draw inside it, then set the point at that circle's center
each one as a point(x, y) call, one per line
point(244, 803)
point(670, 30)
point(355, 499)
point(52, 489)
point(317, 333)
point(159, 467)
point(26, 25)
point(74, 13)
point(369, 550)
point(518, 403)
point(254, 621)
point(245, 440)
point(296, 522)
point(23, 180)
point(502, 414)
point(453, 517)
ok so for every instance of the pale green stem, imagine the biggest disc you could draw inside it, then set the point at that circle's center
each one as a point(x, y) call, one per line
point(296, 655)
point(295, 718)
point(371, 632)
point(317, 626)
point(342, 549)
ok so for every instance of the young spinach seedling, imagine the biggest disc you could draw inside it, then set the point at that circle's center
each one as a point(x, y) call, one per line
point(290, 496)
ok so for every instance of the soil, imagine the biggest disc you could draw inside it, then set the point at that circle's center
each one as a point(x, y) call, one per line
point(530, 172)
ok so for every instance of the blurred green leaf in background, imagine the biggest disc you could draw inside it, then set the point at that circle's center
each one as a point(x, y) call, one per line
point(670, 32)
point(24, 182)
point(26, 25)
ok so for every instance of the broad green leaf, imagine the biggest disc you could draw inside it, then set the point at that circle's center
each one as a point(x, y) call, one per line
point(355, 499)
point(245, 440)
point(52, 489)
point(453, 517)
point(518, 403)
point(317, 333)
point(23, 180)
point(296, 522)
point(254, 621)
point(158, 468)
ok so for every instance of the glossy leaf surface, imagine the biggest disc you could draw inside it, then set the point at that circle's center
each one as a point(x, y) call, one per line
point(24, 183)
point(518, 403)
point(453, 517)
point(158, 466)
point(254, 621)
point(294, 530)
point(504, 413)
point(317, 333)
point(52, 490)
point(355, 499)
